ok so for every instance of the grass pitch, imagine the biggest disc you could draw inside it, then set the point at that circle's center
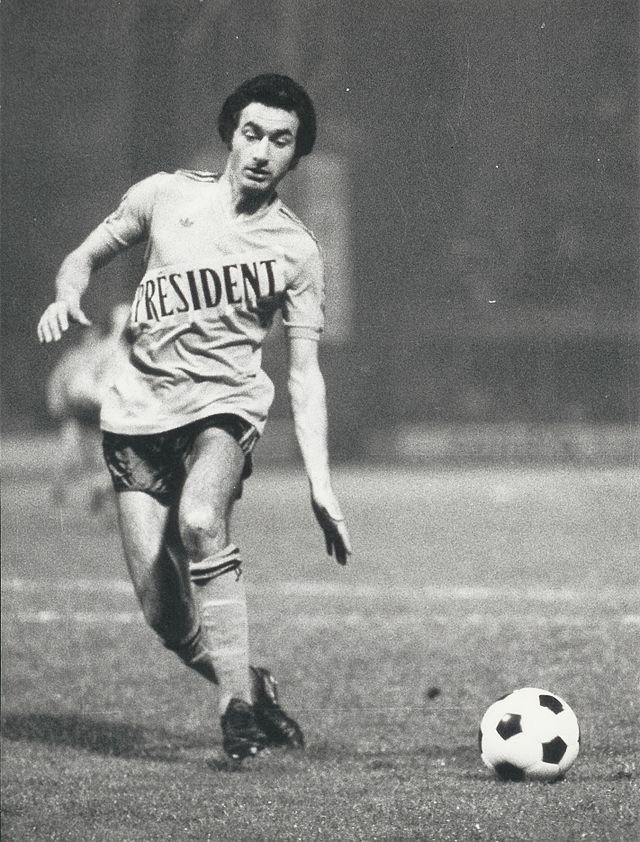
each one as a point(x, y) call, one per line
point(464, 584)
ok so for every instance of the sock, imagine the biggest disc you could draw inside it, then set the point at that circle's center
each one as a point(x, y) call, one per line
point(194, 653)
point(220, 595)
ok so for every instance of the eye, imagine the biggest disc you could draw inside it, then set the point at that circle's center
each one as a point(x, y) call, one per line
point(282, 142)
point(249, 134)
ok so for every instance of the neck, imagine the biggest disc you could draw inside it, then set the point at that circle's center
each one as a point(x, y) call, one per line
point(242, 203)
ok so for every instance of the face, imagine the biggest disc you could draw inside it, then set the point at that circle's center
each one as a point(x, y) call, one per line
point(262, 148)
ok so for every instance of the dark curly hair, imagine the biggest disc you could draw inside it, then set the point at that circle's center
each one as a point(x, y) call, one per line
point(277, 92)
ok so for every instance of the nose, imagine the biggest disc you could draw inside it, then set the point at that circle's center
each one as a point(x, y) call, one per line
point(261, 149)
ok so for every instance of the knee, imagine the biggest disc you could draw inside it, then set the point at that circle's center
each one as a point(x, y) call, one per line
point(202, 531)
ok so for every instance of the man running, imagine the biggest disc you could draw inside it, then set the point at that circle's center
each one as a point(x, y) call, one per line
point(223, 255)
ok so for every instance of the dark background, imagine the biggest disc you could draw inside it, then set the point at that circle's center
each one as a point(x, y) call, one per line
point(489, 161)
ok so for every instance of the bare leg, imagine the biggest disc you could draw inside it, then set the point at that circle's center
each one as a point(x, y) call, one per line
point(160, 578)
point(213, 475)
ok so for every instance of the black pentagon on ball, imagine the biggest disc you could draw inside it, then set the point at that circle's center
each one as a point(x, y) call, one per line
point(509, 725)
point(554, 750)
point(553, 703)
point(509, 772)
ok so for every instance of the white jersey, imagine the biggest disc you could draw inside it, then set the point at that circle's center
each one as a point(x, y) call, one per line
point(211, 288)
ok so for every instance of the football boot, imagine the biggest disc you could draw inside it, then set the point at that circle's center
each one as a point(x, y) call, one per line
point(279, 727)
point(242, 737)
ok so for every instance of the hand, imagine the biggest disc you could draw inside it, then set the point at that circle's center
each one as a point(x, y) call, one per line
point(55, 320)
point(327, 511)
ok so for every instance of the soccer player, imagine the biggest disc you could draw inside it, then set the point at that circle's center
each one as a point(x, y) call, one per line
point(223, 255)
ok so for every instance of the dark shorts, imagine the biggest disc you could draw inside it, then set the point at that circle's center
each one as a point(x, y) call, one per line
point(156, 463)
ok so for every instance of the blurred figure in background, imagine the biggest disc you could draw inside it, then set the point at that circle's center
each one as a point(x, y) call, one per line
point(75, 389)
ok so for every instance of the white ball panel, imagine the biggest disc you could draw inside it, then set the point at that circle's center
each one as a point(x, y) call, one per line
point(520, 750)
point(540, 723)
point(542, 771)
point(568, 727)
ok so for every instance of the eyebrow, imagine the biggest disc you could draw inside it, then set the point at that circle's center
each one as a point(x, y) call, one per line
point(258, 128)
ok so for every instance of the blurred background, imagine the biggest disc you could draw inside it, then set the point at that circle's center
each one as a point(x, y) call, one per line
point(475, 189)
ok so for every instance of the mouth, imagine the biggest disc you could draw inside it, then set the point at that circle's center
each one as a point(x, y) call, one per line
point(256, 174)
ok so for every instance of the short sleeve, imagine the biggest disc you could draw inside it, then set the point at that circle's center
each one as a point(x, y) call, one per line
point(129, 223)
point(303, 308)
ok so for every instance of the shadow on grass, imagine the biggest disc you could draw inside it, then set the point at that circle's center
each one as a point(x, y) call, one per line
point(112, 739)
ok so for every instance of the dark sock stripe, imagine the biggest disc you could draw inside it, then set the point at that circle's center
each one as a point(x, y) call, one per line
point(225, 561)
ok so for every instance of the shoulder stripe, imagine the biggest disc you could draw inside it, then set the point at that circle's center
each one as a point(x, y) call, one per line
point(199, 175)
point(290, 215)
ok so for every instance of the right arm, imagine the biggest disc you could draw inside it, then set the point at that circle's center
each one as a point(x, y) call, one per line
point(71, 282)
point(125, 227)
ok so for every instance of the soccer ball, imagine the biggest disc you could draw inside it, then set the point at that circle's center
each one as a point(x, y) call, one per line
point(530, 734)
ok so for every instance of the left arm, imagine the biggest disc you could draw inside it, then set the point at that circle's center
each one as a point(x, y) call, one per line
point(309, 409)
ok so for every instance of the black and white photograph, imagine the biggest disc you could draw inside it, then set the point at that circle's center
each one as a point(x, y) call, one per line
point(320, 456)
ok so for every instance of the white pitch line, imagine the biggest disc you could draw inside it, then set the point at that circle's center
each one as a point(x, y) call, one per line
point(74, 585)
point(116, 618)
point(535, 593)
point(321, 620)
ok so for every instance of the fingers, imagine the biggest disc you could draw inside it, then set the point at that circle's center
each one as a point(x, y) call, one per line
point(335, 531)
point(337, 542)
point(53, 323)
point(342, 545)
point(337, 549)
point(55, 320)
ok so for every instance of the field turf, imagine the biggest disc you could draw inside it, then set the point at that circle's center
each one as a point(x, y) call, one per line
point(464, 584)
